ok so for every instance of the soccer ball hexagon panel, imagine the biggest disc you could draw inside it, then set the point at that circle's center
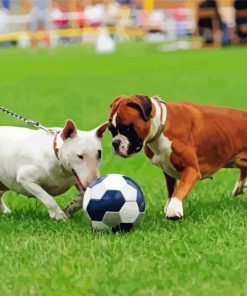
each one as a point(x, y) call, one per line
point(114, 202)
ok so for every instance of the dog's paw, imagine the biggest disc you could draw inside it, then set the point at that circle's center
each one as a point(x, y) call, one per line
point(57, 215)
point(74, 206)
point(7, 211)
point(174, 210)
point(4, 209)
point(166, 205)
point(238, 189)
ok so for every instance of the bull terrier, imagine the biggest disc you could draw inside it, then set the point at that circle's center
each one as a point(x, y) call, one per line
point(43, 165)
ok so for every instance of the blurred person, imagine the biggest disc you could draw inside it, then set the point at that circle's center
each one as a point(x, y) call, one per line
point(40, 17)
point(125, 2)
point(58, 17)
point(4, 19)
point(95, 14)
point(64, 6)
point(80, 9)
point(180, 16)
point(125, 15)
point(240, 5)
point(155, 25)
point(6, 4)
point(138, 4)
point(4, 23)
point(112, 13)
point(136, 10)
point(112, 17)
point(60, 20)
point(205, 25)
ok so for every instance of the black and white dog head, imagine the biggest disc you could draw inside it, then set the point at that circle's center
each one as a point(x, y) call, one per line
point(129, 123)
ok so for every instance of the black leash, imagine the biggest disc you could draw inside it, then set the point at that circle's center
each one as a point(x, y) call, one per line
point(26, 120)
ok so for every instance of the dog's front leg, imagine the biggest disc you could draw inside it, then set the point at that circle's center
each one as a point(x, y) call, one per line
point(170, 184)
point(27, 177)
point(190, 177)
point(75, 205)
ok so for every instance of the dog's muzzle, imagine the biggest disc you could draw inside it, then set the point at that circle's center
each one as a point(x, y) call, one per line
point(130, 149)
point(78, 181)
point(134, 149)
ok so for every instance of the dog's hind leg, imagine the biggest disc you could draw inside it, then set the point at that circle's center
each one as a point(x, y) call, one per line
point(239, 187)
point(240, 162)
point(3, 208)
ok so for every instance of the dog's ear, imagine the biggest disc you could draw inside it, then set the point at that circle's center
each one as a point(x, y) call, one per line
point(115, 103)
point(101, 129)
point(69, 131)
point(143, 104)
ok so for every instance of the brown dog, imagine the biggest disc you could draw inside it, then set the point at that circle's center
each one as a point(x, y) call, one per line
point(187, 141)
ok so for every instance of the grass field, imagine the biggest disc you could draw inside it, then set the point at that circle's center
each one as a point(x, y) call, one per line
point(205, 254)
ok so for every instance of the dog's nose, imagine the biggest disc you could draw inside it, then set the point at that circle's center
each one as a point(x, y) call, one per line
point(116, 145)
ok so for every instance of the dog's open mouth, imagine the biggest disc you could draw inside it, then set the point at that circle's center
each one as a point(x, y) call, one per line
point(78, 181)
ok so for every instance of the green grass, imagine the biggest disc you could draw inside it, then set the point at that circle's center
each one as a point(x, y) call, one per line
point(205, 254)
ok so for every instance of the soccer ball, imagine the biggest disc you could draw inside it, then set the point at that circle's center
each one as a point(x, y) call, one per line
point(114, 202)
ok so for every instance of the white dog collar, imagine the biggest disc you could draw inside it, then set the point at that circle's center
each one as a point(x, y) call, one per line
point(162, 120)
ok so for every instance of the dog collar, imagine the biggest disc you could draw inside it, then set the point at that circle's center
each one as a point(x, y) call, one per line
point(162, 120)
point(55, 148)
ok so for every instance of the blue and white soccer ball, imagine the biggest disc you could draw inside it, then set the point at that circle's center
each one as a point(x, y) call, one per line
point(114, 202)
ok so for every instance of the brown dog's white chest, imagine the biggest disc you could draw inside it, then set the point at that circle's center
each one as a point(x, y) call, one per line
point(162, 156)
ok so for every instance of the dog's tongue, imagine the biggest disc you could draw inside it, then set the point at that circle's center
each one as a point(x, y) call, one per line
point(78, 181)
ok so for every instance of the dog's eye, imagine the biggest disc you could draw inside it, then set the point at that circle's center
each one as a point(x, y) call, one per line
point(99, 154)
point(80, 156)
point(124, 130)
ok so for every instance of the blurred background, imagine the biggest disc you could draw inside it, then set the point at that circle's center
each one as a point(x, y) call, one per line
point(183, 24)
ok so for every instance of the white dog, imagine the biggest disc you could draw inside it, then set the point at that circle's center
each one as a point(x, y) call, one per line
point(43, 165)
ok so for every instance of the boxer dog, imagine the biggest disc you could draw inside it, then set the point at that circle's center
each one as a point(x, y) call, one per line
point(188, 142)
point(43, 165)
